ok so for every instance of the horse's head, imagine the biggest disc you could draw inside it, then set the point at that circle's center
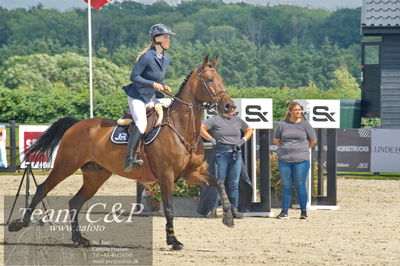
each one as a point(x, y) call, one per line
point(212, 89)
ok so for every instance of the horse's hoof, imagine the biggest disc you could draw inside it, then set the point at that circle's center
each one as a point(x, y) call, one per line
point(228, 219)
point(17, 225)
point(177, 245)
point(82, 242)
point(228, 222)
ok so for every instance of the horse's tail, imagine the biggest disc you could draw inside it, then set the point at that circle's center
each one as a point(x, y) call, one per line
point(48, 141)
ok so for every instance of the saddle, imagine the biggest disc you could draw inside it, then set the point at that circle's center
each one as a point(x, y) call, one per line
point(126, 118)
point(125, 124)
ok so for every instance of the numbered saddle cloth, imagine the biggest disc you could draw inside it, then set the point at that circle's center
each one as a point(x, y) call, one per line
point(120, 135)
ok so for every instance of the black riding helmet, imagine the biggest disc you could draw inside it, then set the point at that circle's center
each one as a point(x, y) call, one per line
point(159, 29)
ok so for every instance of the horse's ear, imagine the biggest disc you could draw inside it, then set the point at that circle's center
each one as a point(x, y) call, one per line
point(215, 61)
point(205, 62)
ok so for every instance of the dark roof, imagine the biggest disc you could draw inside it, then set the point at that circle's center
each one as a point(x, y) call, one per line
point(380, 13)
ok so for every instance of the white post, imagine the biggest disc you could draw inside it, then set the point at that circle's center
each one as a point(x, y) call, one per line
point(254, 165)
point(90, 57)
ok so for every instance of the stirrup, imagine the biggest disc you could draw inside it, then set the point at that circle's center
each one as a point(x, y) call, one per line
point(132, 163)
point(137, 163)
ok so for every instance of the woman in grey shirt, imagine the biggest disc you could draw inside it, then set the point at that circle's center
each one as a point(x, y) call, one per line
point(294, 137)
point(227, 130)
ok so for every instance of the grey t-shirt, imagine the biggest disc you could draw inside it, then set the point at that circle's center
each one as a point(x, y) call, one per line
point(226, 130)
point(294, 140)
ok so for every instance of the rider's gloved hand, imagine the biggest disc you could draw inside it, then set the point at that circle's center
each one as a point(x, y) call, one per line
point(167, 89)
point(213, 141)
point(158, 86)
point(242, 141)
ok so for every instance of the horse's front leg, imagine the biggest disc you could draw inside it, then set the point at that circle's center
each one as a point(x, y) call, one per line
point(166, 186)
point(226, 205)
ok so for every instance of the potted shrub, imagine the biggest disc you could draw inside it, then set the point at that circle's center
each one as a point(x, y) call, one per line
point(182, 192)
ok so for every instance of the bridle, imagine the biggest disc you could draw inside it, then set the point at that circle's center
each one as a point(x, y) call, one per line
point(204, 83)
point(212, 94)
point(190, 147)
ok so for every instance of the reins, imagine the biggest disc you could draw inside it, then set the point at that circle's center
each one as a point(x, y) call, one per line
point(189, 147)
point(191, 105)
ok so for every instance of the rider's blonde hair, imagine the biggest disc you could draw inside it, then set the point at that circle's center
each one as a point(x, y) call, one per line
point(148, 47)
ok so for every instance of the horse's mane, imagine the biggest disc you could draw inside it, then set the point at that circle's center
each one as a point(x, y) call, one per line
point(184, 83)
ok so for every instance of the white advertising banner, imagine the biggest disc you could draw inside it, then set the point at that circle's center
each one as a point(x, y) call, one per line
point(322, 113)
point(385, 150)
point(3, 150)
point(28, 136)
point(256, 112)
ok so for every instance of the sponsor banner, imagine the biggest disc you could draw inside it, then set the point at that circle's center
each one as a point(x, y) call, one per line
point(118, 233)
point(321, 113)
point(3, 150)
point(256, 112)
point(353, 150)
point(28, 136)
point(385, 150)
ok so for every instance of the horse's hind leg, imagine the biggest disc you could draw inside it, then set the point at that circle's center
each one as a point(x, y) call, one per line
point(93, 178)
point(58, 174)
point(201, 177)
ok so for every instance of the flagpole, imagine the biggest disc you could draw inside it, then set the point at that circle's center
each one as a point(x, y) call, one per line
point(90, 58)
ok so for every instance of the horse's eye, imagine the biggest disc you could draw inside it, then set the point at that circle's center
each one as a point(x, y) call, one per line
point(210, 80)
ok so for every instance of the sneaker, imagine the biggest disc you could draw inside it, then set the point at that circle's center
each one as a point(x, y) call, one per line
point(283, 215)
point(303, 215)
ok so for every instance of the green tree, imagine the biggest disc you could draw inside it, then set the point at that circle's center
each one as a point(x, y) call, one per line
point(186, 32)
point(344, 84)
point(40, 71)
point(342, 27)
point(236, 59)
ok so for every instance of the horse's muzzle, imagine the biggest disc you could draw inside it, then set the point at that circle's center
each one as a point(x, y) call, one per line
point(226, 107)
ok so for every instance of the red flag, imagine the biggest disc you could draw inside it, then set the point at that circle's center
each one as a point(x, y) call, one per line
point(96, 4)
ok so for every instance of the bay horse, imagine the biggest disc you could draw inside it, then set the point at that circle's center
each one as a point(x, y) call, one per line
point(177, 152)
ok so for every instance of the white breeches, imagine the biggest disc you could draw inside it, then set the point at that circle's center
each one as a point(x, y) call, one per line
point(138, 110)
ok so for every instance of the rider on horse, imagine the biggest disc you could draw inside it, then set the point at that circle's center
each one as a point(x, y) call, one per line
point(147, 78)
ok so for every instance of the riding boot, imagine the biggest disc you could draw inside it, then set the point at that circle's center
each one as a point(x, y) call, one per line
point(132, 160)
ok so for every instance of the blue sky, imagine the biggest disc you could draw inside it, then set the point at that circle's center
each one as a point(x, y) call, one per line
point(68, 4)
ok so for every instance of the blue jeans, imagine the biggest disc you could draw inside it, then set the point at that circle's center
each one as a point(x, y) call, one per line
point(294, 173)
point(228, 172)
